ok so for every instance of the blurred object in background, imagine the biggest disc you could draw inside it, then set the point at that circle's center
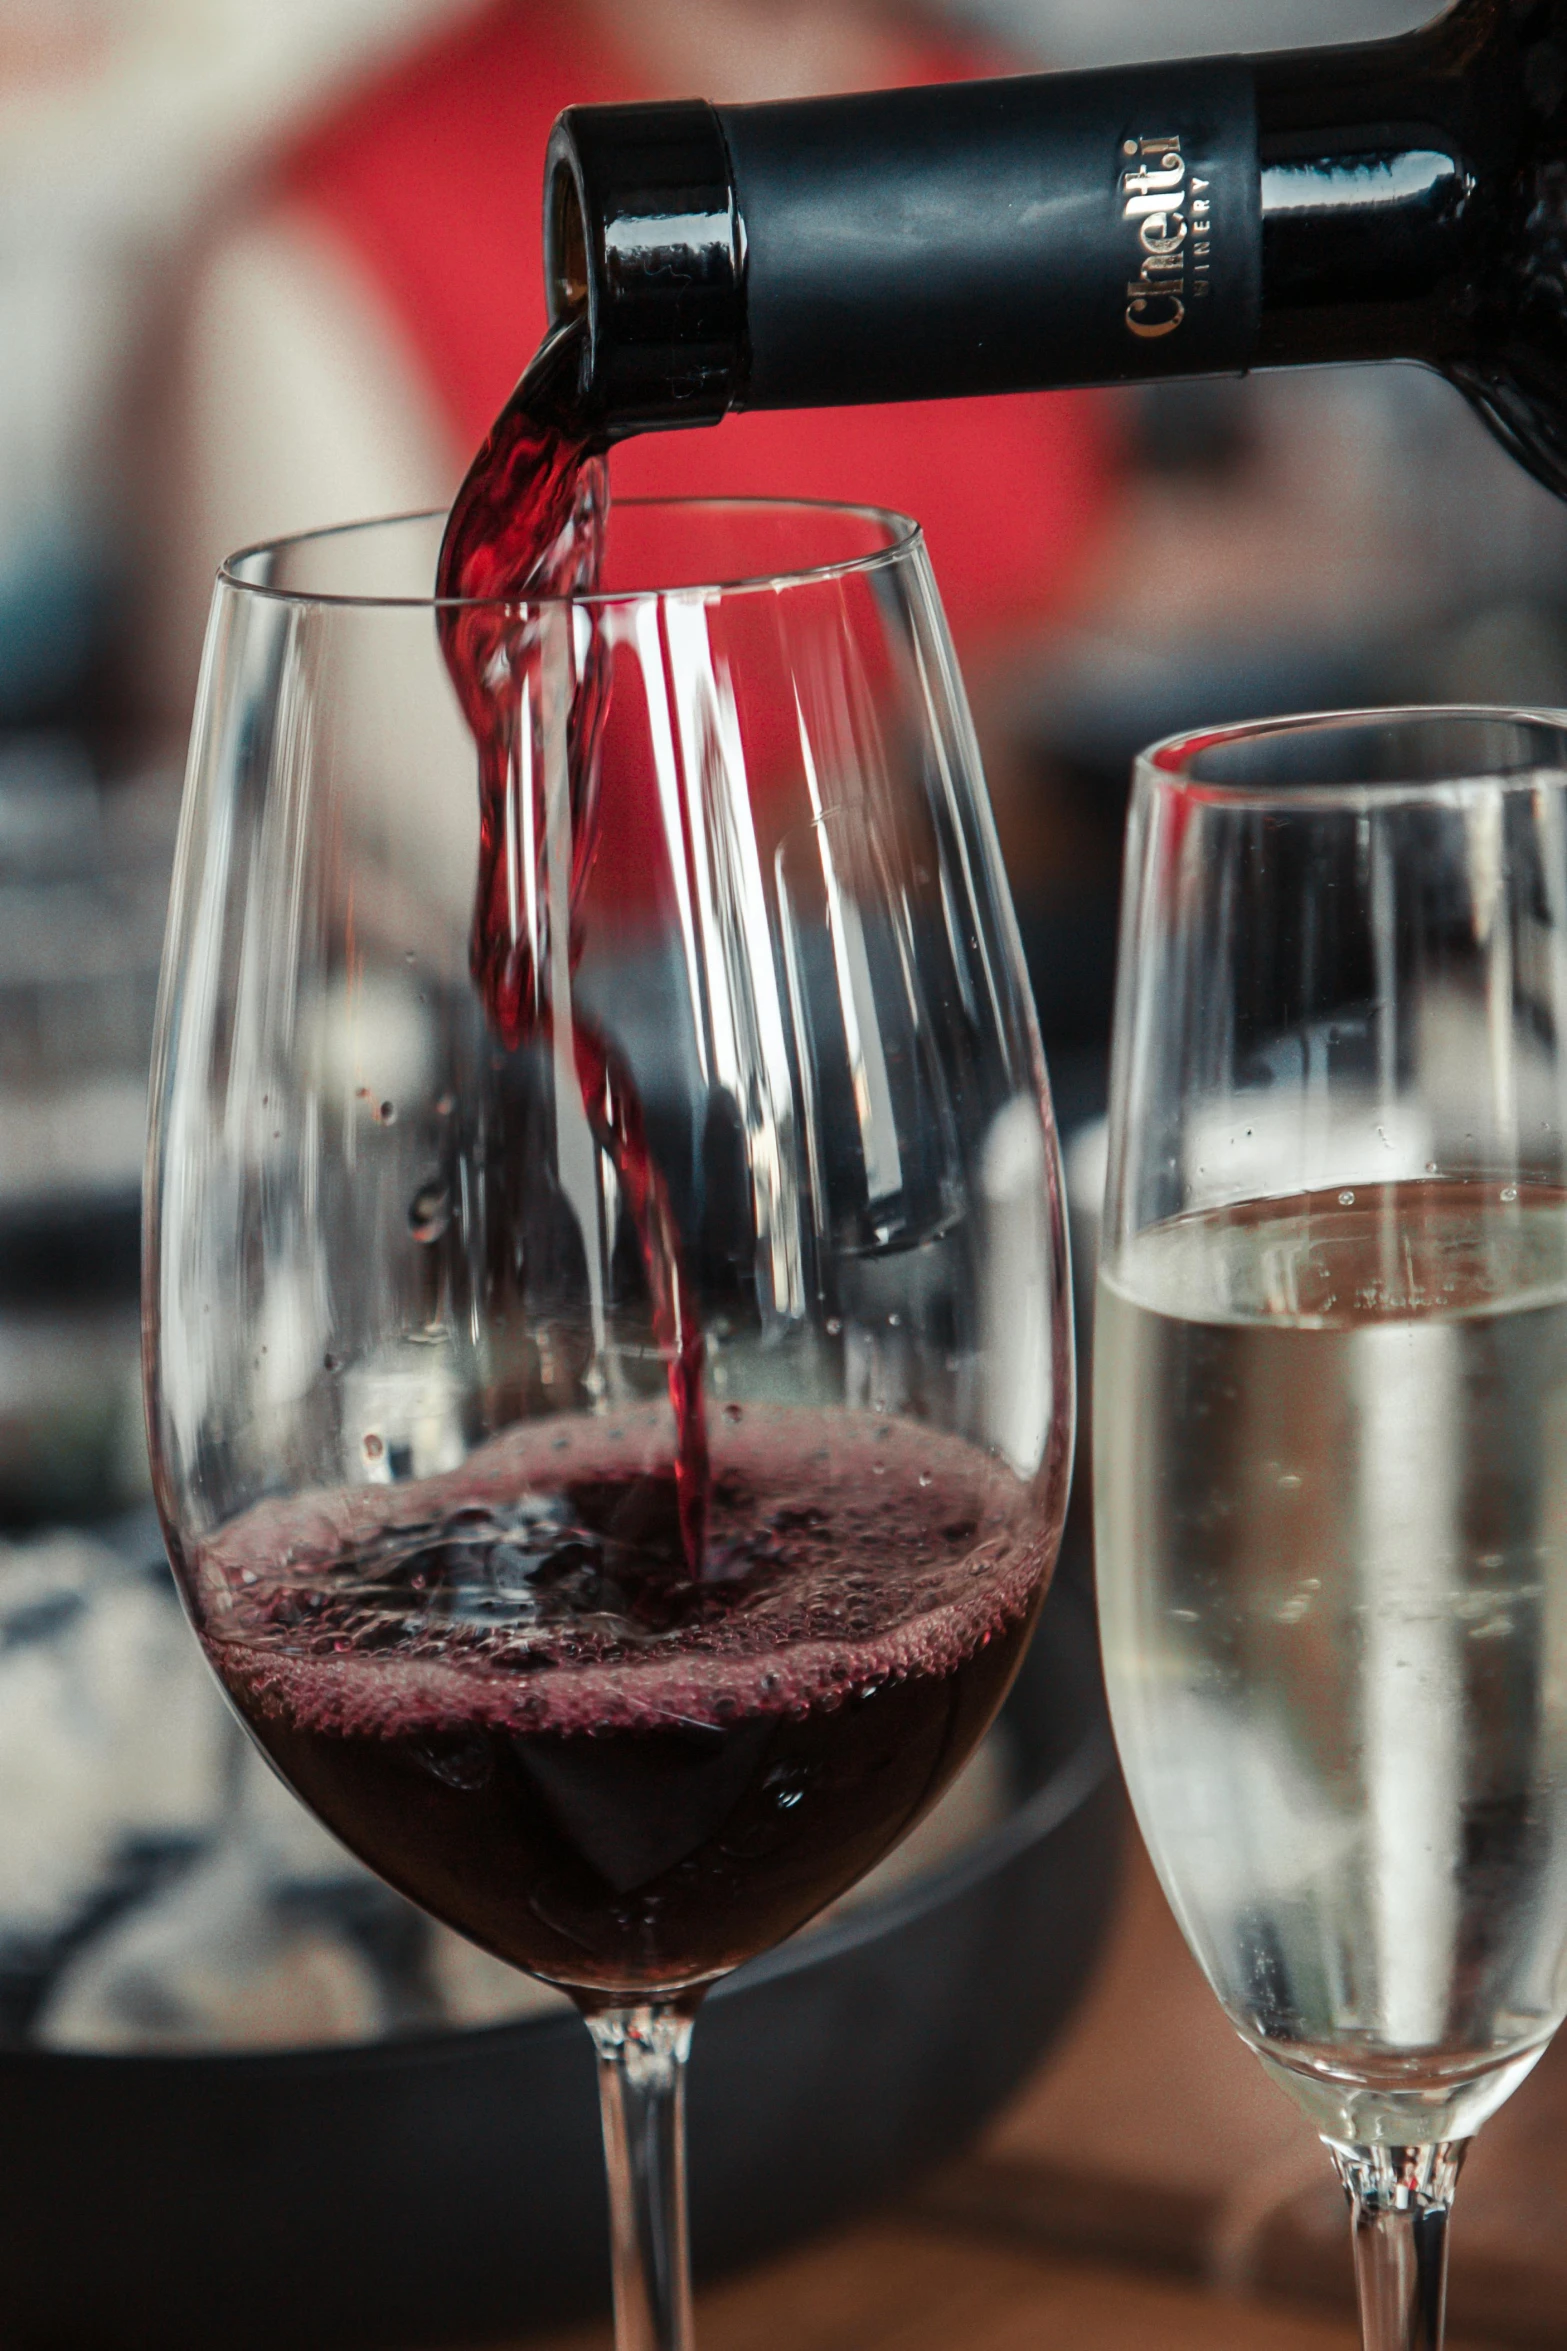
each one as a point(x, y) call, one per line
point(1333, 538)
point(120, 122)
point(1124, 32)
point(158, 1888)
point(1296, 540)
point(83, 879)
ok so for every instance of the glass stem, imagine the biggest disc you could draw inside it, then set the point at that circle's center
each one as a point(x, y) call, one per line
point(1399, 2201)
point(642, 2096)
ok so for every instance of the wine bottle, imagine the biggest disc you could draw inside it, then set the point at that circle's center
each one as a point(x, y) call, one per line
point(1396, 199)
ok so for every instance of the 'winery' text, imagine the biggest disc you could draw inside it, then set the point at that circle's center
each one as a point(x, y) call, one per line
point(1173, 215)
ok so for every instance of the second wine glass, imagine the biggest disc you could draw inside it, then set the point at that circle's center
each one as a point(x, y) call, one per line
point(613, 1459)
point(1330, 1409)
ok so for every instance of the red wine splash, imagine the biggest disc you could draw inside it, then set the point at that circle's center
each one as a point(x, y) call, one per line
point(529, 519)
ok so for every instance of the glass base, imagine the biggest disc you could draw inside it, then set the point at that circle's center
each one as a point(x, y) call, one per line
point(1403, 2105)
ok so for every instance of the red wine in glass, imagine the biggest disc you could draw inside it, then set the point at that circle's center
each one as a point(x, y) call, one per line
point(529, 519)
point(511, 1697)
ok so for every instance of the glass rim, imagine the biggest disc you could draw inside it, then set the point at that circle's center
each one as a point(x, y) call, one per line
point(904, 536)
point(1166, 766)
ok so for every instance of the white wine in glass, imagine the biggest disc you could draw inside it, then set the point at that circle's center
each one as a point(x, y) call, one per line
point(1331, 1384)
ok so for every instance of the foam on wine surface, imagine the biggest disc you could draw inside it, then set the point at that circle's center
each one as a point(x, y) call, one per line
point(505, 1690)
point(1331, 1494)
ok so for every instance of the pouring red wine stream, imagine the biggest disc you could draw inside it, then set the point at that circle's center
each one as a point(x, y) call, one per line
point(529, 519)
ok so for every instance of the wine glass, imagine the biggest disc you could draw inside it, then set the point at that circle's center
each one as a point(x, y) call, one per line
point(1331, 1425)
point(613, 1458)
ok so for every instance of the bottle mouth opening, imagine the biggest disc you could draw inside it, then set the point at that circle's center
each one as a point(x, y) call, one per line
point(565, 243)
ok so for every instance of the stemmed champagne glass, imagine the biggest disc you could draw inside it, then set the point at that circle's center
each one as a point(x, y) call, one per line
point(613, 1464)
point(1331, 1422)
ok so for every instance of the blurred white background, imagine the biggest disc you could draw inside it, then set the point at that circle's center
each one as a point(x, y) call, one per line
point(1115, 32)
point(120, 120)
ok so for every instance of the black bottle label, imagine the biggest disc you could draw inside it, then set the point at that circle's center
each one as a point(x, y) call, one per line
point(997, 236)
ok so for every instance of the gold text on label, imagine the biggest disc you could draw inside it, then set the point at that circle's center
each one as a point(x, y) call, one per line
point(1170, 209)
